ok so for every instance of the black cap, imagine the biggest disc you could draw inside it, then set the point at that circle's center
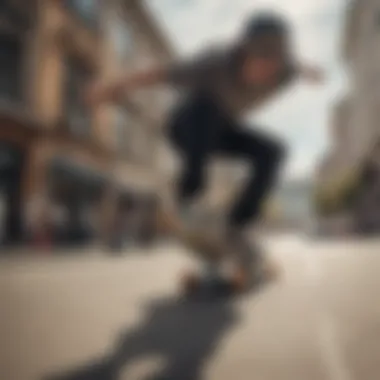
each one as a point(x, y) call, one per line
point(266, 23)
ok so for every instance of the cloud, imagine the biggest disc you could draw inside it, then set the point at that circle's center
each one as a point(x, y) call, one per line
point(300, 115)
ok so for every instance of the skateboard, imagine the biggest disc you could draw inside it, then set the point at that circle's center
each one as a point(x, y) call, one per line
point(206, 245)
point(231, 281)
point(216, 277)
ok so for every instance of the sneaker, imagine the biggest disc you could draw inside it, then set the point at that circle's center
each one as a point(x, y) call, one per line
point(248, 253)
point(240, 279)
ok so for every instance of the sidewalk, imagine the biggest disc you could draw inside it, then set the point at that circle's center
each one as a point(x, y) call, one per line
point(29, 256)
point(21, 252)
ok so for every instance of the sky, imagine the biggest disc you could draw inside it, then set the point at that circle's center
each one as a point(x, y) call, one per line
point(300, 115)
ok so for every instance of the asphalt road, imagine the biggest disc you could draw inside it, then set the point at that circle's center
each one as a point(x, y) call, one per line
point(102, 318)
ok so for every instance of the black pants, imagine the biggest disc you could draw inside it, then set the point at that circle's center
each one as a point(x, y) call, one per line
point(200, 129)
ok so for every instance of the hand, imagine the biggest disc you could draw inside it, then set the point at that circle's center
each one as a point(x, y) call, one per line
point(93, 94)
point(98, 93)
point(313, 74)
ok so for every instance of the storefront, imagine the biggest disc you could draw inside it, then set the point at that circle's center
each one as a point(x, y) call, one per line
point(76, 193)
point(11, 165)
point(136, 202)
point(134, 218)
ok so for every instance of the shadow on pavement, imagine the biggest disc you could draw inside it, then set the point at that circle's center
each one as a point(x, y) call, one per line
point(184, 334)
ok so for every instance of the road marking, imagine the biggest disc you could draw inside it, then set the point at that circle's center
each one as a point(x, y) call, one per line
point(328, 338)
point(332, 354)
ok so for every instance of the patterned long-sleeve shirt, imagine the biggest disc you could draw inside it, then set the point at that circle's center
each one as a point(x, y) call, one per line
point(216, 72)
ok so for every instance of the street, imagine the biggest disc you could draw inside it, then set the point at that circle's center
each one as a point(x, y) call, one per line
point(90, 316)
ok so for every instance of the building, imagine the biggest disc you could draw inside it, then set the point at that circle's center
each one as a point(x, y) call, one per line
point(294, 199)
point(343, 176)
point(59, 161)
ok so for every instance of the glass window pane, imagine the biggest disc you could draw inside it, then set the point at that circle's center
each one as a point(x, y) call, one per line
point(76, 112)
point(122, 38)
point(10, 67)
point(88, 10)
point(123, 123)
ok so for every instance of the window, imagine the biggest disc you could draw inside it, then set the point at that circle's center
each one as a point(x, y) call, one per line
point(10, 68)
point(121, 37)
point(16, 20)
point(86, 10)
point(76, 113)
point(17, 14)
point(3, 209)
point(123, 124)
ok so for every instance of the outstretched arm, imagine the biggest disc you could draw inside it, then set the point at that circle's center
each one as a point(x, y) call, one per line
point(183, 73)
point(311, 74)
point(99, 93)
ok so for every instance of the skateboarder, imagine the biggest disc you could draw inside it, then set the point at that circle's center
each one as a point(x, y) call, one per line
point(219, 87)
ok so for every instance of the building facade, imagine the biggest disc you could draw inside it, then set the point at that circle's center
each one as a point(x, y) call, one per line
point(355, 128)
point(63, 167)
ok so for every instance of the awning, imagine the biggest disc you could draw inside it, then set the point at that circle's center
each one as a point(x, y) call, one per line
point(65, 168)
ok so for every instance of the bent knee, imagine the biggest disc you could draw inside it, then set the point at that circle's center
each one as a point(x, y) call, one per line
point(278, 151)
point(272, 151)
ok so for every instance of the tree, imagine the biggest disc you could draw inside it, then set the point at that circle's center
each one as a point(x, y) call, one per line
point(339, 195)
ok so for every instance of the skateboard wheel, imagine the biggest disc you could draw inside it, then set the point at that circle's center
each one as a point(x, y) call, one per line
point(190, 283)
point(239, 281)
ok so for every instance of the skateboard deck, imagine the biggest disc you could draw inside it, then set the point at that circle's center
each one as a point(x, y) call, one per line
point(205, 245)
point(195, 285)
point(233, 283)
point(210, 248)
